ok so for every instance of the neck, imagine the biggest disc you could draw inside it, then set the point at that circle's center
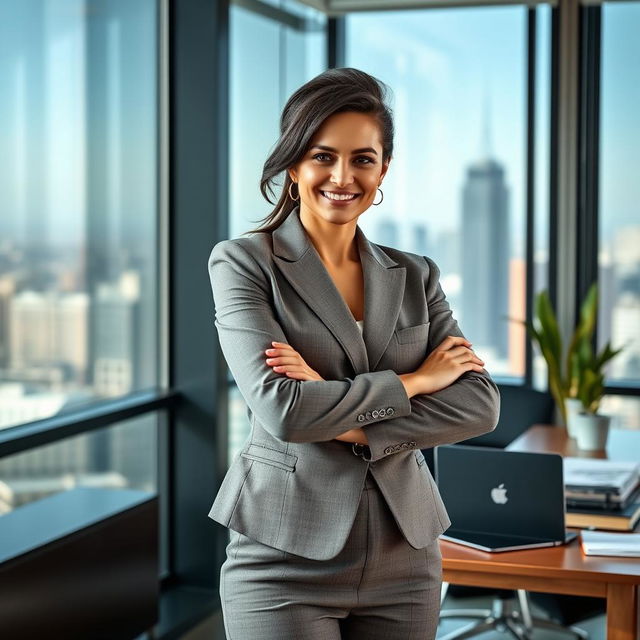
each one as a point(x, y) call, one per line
point(335, 242)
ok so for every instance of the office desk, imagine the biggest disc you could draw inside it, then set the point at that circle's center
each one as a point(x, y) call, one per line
point(557, 569)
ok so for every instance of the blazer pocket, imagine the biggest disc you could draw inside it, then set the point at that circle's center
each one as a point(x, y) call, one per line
point(273, 457)
point(417, 333)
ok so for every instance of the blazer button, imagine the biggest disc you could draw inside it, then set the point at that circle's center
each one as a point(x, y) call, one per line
point(382, 412)
point(374, 413)
point(388, 449)
point(389, 411)
point(361, 418)
point(413, 444)
point(368, 415)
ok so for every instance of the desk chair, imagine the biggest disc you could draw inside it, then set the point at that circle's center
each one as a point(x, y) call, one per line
point(520, 408)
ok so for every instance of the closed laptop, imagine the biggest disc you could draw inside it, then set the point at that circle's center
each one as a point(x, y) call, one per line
point(501, 500)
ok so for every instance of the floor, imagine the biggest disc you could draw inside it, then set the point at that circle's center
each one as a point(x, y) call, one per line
point(212, 628)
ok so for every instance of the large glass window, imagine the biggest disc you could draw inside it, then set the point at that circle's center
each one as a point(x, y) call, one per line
point(619, 232)
point(78, 241)
point(270, 58)
point(456, 188)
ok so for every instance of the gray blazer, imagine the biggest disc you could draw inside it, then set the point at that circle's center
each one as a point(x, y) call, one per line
point(293, 486)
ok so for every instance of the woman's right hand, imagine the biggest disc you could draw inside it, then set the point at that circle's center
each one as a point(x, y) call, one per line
point(444, 365)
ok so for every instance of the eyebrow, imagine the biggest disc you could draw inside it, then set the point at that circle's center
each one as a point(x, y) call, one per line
point(363, 150)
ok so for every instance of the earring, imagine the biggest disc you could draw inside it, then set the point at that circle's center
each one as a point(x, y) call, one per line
point(295, 199)
point(381, 199)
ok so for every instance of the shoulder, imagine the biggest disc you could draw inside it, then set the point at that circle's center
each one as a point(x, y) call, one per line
point(413, 262)
point(255, 248)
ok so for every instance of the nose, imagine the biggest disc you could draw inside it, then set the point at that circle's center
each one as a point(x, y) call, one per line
point(341, 175)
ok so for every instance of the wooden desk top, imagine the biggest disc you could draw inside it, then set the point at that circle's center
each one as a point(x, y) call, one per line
point(566, 562)
point(623, 445)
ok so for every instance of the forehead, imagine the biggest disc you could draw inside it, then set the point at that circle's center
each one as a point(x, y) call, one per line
point(349, 130)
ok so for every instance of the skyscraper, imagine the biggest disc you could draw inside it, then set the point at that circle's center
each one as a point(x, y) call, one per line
point(485, 252)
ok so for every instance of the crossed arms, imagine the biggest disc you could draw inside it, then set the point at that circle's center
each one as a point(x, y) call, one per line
point(321, 410)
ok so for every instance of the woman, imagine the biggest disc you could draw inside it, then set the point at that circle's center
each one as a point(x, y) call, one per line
point(350, 362)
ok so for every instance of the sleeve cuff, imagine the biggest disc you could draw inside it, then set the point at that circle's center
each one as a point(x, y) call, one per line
point(379, 445)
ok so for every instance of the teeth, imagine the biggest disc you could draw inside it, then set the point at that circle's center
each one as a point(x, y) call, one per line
point(335, 196)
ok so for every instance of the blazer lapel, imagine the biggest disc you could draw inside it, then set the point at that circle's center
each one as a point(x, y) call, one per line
point(384, 281)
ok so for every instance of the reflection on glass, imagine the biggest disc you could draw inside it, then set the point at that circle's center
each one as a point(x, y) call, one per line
point(291, 56)
point(121, 456)
point(455, 190)
point(78, 208)
point(619, 254)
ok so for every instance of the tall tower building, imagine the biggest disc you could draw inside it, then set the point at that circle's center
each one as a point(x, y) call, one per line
point(485, 251)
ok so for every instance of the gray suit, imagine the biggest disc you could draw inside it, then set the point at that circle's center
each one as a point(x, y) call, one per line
point(293, 487)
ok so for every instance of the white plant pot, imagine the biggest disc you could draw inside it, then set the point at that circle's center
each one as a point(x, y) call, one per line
point(592, 430)
point(572, 406)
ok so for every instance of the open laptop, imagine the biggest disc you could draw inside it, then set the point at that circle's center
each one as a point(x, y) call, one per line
point(501, 500)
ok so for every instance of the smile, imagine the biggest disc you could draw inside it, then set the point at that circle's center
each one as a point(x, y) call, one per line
point(339, 196)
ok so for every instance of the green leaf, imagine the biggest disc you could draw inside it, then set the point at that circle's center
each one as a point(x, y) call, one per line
point(549, 326)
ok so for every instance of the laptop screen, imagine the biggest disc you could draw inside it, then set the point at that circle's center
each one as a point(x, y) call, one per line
point(502, 492)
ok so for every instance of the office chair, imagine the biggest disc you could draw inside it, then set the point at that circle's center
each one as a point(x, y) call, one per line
point(520, 408)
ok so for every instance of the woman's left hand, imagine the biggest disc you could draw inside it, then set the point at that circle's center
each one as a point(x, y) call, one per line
point(284, 359)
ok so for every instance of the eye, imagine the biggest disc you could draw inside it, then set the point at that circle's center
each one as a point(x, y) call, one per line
point(319, 156)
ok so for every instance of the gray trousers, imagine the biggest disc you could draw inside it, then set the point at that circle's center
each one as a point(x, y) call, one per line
point(377, 588)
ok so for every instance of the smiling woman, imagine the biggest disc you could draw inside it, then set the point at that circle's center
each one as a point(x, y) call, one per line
point(350, 362)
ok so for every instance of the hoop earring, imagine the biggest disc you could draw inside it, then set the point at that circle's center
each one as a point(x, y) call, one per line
point(294, 199)
point(381, 199)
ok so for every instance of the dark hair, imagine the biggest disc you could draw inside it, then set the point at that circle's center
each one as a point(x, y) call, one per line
point(333, 91)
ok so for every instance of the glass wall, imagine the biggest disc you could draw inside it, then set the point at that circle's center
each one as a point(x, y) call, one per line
point(78, 213)
point(456, 188)
point(619, 219)
point(269, 59)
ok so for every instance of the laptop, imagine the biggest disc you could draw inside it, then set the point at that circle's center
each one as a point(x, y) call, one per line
point(501, 500)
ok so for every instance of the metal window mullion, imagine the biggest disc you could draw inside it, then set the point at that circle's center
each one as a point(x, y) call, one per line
point(564, 166)
point(530, 178)
point(336, 42)
point(588, 176)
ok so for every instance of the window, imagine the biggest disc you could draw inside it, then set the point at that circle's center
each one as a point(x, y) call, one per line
point(456, 188)
point(78, 241)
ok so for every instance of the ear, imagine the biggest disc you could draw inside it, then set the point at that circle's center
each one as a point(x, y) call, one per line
point(385, 167)
point(293, 173)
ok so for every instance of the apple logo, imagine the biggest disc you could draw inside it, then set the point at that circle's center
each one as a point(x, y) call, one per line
point(499, 494)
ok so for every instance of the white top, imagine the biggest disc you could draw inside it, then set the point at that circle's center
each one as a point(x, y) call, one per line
point(360, 323)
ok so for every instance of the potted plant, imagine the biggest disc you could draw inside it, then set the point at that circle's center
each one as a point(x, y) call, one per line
point(576, 381)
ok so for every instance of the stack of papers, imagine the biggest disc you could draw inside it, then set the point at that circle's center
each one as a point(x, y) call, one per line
point(595, 482)
point(596, 543)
